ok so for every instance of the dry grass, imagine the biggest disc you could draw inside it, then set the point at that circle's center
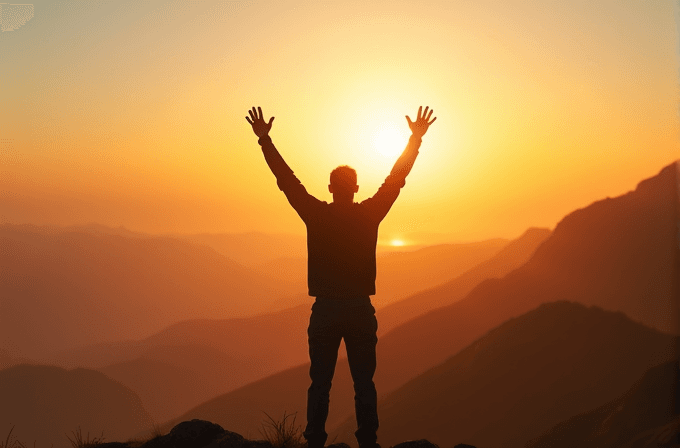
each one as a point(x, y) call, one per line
point(283, 433)
point(78, 442)
point(9, 443)
point(155, 432)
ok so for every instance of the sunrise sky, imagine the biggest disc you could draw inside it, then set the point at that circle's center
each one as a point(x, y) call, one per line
point(133, 113)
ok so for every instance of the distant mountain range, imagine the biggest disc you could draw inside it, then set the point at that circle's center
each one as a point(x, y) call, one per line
point(199, 359)
point(512, 256)
point(550, 326)
point(619, 254)
point(64, 289)
point(250, 249)
point(212, 357)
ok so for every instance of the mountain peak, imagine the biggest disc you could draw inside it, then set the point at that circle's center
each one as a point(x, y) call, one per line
point(668, 177)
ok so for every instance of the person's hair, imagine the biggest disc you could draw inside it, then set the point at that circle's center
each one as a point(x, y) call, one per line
point(344, 177)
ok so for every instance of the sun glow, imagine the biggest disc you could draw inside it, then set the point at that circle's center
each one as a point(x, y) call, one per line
point(397, 243)
point(389, 140)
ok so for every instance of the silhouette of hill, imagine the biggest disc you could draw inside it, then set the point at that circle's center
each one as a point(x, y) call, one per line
point(646, 415)
point(619, 254)
point(522, 378)
point(163, 388)
point(65, 289)
point(172, 379)
point(8, 359)
point(512, 256)
point(584, 260)
point(401, 274)
point(45, 403)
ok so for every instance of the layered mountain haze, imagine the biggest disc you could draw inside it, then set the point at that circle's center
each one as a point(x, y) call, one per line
point(200, 359)
point(64, 289)
point(594, 256)
point(193, 361)
point(646, 415)
point(251, 249)
point(512, 256)
point(235, 352)
point(620, 254)
point(171, 379)
point(274, 336)
point(46, 404)
point(522, 377)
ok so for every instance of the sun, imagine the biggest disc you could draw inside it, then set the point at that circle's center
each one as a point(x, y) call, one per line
point(389, 140)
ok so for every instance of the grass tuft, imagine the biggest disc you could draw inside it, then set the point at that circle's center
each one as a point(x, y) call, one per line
point(283, 433)
point(78, 442)
point(9, 443)
point(156, 430)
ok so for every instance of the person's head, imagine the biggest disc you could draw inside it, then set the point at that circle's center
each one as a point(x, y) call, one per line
point(343, 184)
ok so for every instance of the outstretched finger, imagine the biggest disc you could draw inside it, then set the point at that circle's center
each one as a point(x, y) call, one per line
point(252, 114)
point(259, 109)
point(420, 112)
point(430, 114)
point(270, 121)
point(425, 112)
point(248, 119)
point(432, 121)
point(409, 120)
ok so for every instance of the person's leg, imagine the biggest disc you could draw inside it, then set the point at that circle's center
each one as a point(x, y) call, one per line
point(360, 342)
point(324, 341)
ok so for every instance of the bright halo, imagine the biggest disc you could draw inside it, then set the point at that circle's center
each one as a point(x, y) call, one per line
point(389, 141)
point(397, 243)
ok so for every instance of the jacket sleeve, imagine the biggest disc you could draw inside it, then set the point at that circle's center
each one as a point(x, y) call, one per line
point(382, 201)
point(303, 202)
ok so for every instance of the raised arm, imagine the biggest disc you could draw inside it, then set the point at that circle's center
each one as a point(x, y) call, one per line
point(419, 127)
point(381, 202)
point(295, 192)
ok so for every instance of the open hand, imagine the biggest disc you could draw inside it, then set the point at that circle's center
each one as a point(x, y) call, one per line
point(422, 123)
point(260, 127)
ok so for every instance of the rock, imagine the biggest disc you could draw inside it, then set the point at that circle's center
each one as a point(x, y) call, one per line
point(258, 444)
point(192, 434)
point(229, 440)
point(422, 443)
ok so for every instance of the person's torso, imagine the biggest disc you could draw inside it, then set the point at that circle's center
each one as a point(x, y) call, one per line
point(341, 244)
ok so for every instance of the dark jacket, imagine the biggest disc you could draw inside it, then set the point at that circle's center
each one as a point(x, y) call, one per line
point(341, 240)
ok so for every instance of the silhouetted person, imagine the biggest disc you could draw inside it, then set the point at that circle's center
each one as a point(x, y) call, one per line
point(341, 270)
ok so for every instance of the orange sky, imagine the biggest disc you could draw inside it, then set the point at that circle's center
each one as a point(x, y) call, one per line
point(132, 113)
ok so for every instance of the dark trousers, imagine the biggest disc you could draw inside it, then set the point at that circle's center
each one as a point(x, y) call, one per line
point(332, 320)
